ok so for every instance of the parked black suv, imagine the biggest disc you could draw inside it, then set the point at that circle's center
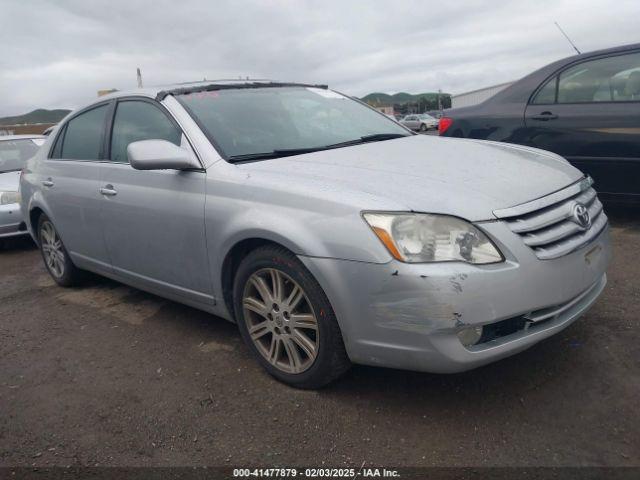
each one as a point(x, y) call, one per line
point(585, 108)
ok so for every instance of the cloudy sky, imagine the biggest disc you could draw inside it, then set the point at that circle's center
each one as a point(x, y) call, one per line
point(58, 54)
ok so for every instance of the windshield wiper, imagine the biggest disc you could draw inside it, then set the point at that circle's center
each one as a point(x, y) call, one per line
point(379, 137)
point(376, 137)
point(247, 157)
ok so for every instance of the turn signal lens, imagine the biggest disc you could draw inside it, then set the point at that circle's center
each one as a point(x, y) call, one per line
point(388, 242)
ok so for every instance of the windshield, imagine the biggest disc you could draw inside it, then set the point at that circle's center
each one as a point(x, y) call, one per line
point(14, 153)
point(424, 116)
point(251, 121)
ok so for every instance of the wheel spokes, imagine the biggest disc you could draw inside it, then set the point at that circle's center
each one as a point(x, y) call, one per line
point(305, 343)
point(280, 320)
point(294, 298)
point(295, 362)
point(259, 330)
point(277, 285)
point(262, 288)
point(304, 320)
point(52, 249)
point(274, 349)
point(255, 305)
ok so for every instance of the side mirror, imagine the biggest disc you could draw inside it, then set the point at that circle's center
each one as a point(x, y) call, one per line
point(159, 155)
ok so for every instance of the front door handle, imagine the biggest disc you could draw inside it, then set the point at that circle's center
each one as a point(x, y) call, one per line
point(544, 116)
point(48, 182)
point(108, 190)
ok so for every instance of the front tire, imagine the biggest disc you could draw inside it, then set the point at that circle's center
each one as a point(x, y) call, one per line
point(286, 320)
point(423, 127)
point(55, 255)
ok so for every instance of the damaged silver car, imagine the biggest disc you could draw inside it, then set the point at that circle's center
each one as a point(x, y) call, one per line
point(329, 233)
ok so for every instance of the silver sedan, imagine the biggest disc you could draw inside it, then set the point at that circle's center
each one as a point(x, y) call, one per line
point(420, 122)
point(14, 152)
point(329, 233)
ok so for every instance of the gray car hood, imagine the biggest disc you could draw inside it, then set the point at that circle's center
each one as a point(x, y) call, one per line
point(466, 178)
point(9, 181)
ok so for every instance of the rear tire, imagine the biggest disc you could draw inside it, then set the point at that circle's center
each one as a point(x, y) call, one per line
point(55, 255)
point(286, 320)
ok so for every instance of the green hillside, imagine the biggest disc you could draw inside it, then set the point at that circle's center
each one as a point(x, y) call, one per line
point(384, 99)
point(37, 116)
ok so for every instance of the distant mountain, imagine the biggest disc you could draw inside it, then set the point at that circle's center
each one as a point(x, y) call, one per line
point(384, 99)
point(37, 116)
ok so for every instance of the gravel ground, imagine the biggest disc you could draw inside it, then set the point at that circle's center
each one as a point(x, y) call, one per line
point(110, 375)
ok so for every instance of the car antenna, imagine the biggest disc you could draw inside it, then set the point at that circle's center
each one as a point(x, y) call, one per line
point(139, 75)
point(567, 37)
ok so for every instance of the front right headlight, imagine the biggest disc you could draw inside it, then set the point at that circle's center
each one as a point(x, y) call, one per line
point(7, 198)
point(422, 238)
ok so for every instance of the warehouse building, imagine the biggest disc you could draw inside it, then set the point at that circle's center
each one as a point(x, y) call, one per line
point(475, 97)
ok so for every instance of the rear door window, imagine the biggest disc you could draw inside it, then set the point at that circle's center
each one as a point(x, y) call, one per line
point(609, 79)
point(84, 135)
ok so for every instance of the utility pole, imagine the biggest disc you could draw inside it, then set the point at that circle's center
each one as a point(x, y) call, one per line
point(439, 99)
point(139, 74)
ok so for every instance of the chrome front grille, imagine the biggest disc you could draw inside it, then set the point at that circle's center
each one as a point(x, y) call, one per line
point(550, 226)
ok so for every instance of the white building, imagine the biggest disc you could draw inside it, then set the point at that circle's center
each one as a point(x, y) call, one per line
point(475, 97)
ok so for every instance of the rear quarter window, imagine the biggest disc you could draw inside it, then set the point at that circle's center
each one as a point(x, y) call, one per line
point(547, 94)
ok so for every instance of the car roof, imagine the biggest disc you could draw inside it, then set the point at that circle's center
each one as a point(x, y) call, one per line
point(522, 89)
point(161, 91)
point(19, 137)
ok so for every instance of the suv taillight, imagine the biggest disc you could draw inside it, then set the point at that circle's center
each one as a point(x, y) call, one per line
point(444, 124)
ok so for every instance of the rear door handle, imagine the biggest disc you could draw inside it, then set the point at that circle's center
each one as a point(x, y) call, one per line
point(48, 182)
point(544, 116)
point(108, 190)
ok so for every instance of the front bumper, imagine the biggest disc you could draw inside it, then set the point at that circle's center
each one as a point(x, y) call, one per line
point(11, 222)
point(408, 315)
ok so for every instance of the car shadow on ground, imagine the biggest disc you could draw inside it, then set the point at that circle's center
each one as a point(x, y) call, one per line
point(512, 376)
point(161, 319)
point(17, 244)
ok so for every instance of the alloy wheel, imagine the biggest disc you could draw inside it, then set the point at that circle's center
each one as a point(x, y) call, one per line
point(52, 250)
point(280, 320)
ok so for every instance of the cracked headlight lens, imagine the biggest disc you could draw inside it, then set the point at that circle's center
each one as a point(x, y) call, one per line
point(421, 238)
point(7, 198)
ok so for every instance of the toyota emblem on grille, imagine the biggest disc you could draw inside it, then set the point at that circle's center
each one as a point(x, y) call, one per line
point(581, 216)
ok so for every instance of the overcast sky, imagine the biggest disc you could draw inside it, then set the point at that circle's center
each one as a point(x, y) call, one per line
point(58, 54)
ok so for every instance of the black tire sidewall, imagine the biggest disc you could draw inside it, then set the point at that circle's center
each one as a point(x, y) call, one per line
point(321, 372)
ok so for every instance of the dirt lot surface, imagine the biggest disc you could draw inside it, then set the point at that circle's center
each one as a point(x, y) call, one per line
point(110, 375)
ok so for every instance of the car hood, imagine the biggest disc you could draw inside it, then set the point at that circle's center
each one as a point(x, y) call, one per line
point(9, 181)
point(466, 178)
